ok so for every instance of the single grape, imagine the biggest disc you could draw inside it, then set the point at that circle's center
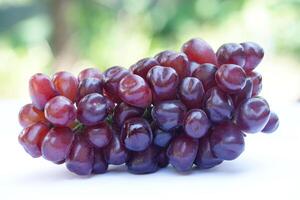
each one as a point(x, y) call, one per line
point(30, 115)
point(231, 78)
point(90, 73)
point(65, 84)
point(31, 138)
point(192, 67)
point(227, 141)
point(57, 144)
point(142, 67)
point(100, 165)
point(191, 92)
point(252, 115)
point(196, 123)
point(124, 111)
point(112, 77)
point(231, 53)
point(163, 82)
point(218, 105)
point(206, 74)
point(182, 152)
point(99, 135)
point(92, 109)
point(135, 91)
point(205, 158)
point(161, 138)
point(178, 61)
point(41, 90)
point(162, 158)
point(110, 105)
point(244, 94)
point(81, 157)
point(115, 152)
point(143, 162)
point(89, 86)
point(256, 79)
point(60, 111)
point(169, 115)
point(272, 124)
point(254, 54)
point(136, 134)
point(199, 51)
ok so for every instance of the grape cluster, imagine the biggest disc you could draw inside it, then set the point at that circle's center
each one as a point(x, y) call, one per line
point(179, 108)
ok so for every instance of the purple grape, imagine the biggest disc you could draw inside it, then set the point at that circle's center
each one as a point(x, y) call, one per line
point(231, 53)
point(191, 92)
point(57, 144)
point(161, 138)
point(162, 159)
point(90, 73)
point(112, 77)
point(227, 141)
point(136, 134)
point(81, 158)
point(164, 82)
point(100, 165)
point(89, 86)
point(272, 124)
point(99, 135)
point(256, 79)
point(169, 115)
point(218, 105)
point(143, 162)
point(134, 91)
point(206, 74)
point(244, 94)
point(142, 67)
point(252, 115)
point(192, 67)
point(196, 123)
point(254, 54)
point(124, 111)
point(182, 152)
point(92, 109)
point(231, 78)
point(205, 158)
point(31, 138)
point(115, 152)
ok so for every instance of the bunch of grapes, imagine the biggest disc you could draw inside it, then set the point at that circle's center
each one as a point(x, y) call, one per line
point(181, 108)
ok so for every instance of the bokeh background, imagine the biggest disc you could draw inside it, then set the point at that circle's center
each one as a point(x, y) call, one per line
point(51, 35)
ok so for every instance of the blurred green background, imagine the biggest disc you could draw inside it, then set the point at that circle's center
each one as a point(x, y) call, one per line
point(51, 35)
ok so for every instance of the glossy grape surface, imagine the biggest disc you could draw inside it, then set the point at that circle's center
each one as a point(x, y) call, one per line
point(115, 152)
point(65, 84)
point(31, 138)
point(254, 54)
point(41, 90)
point(191, 92)
point(231, 53)
point(134, 90)
point(182, 152)
point(124, 111)
point(206, 74)
point(136, 134)
point(163, 82)
point(199, 51)
point(272, 124)
point(196, 123)
point(253, 115)
point(89, 86)
point(169, 114)
point(142, 67)
point(100, 165)
point(256, 79)
point(30, 115)
point(227, 141)
point(90, 73)
point(60, 111)
point(57, 144)
point(99, 135)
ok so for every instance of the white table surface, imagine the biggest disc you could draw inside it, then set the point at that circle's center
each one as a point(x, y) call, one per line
point(269, 168)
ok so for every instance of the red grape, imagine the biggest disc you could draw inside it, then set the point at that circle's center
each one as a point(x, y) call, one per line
point(31, 138)
point(41, 90)
point(30, 115)
point(231, 53)
point(65, 84)
point(191, 92)
point(89, 86)
point(60, 111)
point(231, 78)
point(163, 82)
point(142, 67)
point(57, 144)
point(254, 54)
point(182, 152)
point(135, 91)
point(206, 74)
point(124, 111)
point(199, 51)
point(90, 73)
